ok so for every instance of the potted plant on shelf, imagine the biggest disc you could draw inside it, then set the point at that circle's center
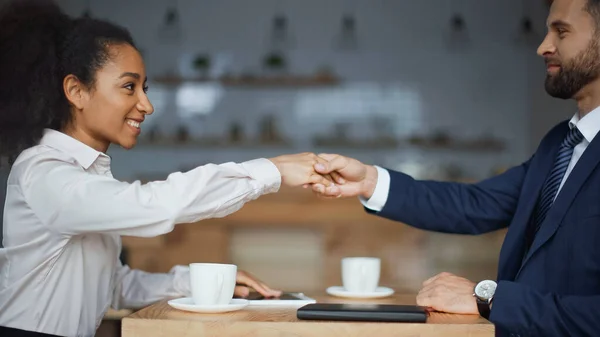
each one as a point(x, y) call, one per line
point(275, 63)
point(201, 64)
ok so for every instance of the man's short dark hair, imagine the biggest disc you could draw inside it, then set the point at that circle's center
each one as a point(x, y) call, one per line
point(593, 7)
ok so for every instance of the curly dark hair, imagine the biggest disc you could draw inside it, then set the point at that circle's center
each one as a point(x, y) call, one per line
point(39, 47)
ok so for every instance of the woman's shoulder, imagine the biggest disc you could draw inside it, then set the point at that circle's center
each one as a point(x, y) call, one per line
point(36, 160)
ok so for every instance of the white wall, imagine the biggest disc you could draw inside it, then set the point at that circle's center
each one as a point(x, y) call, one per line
point(494, 86)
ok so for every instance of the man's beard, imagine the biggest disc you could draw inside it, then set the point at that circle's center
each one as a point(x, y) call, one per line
point(575, 74)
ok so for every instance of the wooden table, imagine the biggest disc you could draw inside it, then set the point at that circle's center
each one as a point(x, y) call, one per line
point(160, 320)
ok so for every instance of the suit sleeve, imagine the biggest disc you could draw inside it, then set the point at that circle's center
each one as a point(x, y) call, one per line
point(451, 207)
point(524, 311)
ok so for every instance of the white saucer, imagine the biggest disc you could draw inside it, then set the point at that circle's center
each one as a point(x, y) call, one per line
point(187, 304)
point(378, 293)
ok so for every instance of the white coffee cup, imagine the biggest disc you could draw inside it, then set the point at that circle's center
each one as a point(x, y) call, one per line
point(360, 274)
point(212, 283)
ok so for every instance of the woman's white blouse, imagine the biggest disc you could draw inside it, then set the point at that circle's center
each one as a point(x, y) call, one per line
point(63, 218)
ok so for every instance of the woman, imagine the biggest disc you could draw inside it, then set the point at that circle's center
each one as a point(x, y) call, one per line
point(69, 89)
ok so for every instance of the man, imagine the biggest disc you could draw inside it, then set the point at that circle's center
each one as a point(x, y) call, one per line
point(549, 267)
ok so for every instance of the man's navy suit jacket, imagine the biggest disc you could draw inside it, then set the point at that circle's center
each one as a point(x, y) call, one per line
point(553, 290)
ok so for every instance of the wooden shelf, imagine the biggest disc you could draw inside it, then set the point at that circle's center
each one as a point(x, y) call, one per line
point(462, 146)
point(368, 145)
point(441, 141)
point(259, 81)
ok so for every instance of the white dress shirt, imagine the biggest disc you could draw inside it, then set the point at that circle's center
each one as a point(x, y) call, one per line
point(589, 126)
point(63, 218)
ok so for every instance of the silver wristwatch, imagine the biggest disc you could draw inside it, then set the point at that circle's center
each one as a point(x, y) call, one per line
point(484, 295)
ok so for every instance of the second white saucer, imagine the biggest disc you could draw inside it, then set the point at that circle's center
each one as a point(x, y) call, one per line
point(187, 304)
point(378, 293)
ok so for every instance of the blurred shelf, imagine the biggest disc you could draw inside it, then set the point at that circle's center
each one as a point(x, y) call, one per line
point(439, 142)
point(214, 144)
point(255, 81)
point(463, 147)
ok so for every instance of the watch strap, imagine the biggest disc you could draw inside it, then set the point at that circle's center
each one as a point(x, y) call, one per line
point(483, 307)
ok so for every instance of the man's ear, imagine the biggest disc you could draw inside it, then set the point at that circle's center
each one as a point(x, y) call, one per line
point(75, 91)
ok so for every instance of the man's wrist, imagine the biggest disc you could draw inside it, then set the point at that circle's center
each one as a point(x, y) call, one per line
point(370, 182)
point(484, 292)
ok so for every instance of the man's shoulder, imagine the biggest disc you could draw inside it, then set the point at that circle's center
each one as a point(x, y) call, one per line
point(557, 133)
point(561, 127)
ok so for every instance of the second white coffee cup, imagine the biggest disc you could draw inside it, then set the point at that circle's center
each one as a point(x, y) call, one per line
point(212, 283)
point(360, 274)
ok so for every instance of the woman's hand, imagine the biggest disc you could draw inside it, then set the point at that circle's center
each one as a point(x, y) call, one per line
point(245, 281)
point(299, 170)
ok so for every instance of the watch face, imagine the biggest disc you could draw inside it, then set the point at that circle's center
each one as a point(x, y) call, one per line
point(485, 289)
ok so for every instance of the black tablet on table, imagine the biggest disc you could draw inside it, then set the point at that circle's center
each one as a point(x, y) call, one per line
point(363, 312)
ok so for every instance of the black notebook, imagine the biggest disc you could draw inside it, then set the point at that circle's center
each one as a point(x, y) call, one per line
point(363, 312)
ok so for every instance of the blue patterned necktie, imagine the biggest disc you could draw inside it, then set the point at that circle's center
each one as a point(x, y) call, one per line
point(553, 181)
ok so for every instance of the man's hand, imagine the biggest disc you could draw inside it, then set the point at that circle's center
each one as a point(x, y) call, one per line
point(353, 178)
point(448, 293)
point(298, 170)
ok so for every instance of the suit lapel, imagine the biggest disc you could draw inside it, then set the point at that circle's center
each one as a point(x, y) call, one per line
point(584, 167)
point(540, 167)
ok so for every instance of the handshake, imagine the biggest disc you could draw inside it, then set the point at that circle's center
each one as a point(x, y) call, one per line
point(328, 175)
